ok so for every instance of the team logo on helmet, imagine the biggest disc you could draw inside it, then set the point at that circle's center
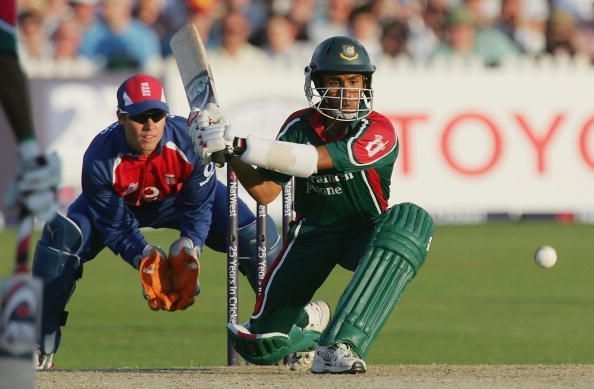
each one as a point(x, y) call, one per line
point(349, 53)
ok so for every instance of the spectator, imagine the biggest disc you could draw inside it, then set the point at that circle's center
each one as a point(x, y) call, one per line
point(581, 10)
point(427, 30)
point(202, 14)
point(120, 40)
point(34, 44)
point(66, 44)
point(465, 40)
point(235, 32)
point(387, 10)
point(85, 12)
point(256, 12)
point(484, 12)
point(524, 22)
point(334, 22)
point(152, 14)
point(365, 28)
point(66, 39)
point(55, 11)
point(302, 12)
point(562, 33)
point(394, 40)
point(282, 44)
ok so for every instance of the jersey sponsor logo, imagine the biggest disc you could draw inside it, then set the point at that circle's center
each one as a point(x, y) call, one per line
point(327, 184)
point(150, 193)
point(376, 145)
point(348, 53)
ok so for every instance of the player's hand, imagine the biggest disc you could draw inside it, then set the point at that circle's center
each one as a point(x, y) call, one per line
point(210, 132)
point(185, 270)
point(155, 276)
point(36, 185)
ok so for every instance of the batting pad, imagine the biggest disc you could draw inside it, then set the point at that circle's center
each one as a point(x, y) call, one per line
point(396, 251)
point(260, 349)
point(269, 348)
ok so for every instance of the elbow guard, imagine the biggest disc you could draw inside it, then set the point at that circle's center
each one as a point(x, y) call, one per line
point(288, 158)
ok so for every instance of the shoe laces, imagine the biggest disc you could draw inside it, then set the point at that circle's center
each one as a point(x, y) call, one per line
point(339, 349)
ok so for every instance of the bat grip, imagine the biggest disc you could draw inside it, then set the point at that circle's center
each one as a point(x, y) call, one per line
point(24, 236)
point(219, 158)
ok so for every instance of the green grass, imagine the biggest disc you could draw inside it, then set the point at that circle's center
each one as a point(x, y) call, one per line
point(479, 299)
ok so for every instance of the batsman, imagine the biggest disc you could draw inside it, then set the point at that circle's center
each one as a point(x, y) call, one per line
point(141, 171)
point(342, 154)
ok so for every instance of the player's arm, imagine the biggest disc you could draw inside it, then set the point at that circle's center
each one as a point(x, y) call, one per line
point(38, 173)
point(15, 99)
point(194, 203)
point(260, 188)
point(116, 225)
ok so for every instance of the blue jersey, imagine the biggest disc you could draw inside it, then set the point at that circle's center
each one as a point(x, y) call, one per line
point(125, 190)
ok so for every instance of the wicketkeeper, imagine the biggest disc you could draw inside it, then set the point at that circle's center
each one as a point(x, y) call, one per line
point(141, 171)
point(342, 154)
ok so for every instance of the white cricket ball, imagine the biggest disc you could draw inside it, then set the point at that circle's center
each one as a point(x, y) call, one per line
point(545, 256)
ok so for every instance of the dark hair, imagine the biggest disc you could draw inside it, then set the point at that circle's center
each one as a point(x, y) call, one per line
point(396, 27)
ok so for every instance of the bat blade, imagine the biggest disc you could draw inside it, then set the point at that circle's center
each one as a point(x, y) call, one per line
point(19, 328)
point(192, 62)
point(21, 299)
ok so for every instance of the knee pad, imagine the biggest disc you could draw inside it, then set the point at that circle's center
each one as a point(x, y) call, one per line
point(248, 249)
point(395, 253)
point(56, 262)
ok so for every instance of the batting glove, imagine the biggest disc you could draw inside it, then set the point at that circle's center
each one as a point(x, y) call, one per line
point(209, 131)
point(37, 182)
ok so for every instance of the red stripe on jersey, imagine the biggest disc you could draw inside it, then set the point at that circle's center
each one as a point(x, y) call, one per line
point(8, 12)
point(377, 140)
point(375, 182)
point(293, 116)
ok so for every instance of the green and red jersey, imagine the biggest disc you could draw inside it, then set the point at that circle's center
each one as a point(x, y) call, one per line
point(358, 187)
point(8, 27)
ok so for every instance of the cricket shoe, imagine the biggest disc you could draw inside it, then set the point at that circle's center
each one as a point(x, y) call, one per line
point(337, 359)
point(43, 361)
point(318, 313)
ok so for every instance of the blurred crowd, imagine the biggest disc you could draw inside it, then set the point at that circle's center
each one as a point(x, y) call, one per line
point(116, 34)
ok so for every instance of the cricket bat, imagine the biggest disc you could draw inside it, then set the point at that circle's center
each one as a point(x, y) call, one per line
point(20, 321)
point(192, 62)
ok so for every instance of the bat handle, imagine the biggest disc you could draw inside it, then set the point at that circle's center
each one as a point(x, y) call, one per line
point(219, 158)
point(24, 236)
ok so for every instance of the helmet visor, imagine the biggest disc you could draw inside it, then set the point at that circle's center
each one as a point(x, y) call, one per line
point(341, 103)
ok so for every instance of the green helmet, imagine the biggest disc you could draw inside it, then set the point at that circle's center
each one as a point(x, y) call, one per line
point(339, 55)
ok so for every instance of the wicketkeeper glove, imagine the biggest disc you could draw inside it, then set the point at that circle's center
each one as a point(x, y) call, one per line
point(185, 270)
point(155, 276)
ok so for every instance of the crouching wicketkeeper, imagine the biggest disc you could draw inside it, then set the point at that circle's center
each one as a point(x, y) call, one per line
point(141, 171)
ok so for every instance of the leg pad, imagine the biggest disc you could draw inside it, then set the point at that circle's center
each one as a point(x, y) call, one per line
point(396, 252)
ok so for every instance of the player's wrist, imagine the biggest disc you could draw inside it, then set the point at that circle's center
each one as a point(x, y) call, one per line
point(29, 149)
